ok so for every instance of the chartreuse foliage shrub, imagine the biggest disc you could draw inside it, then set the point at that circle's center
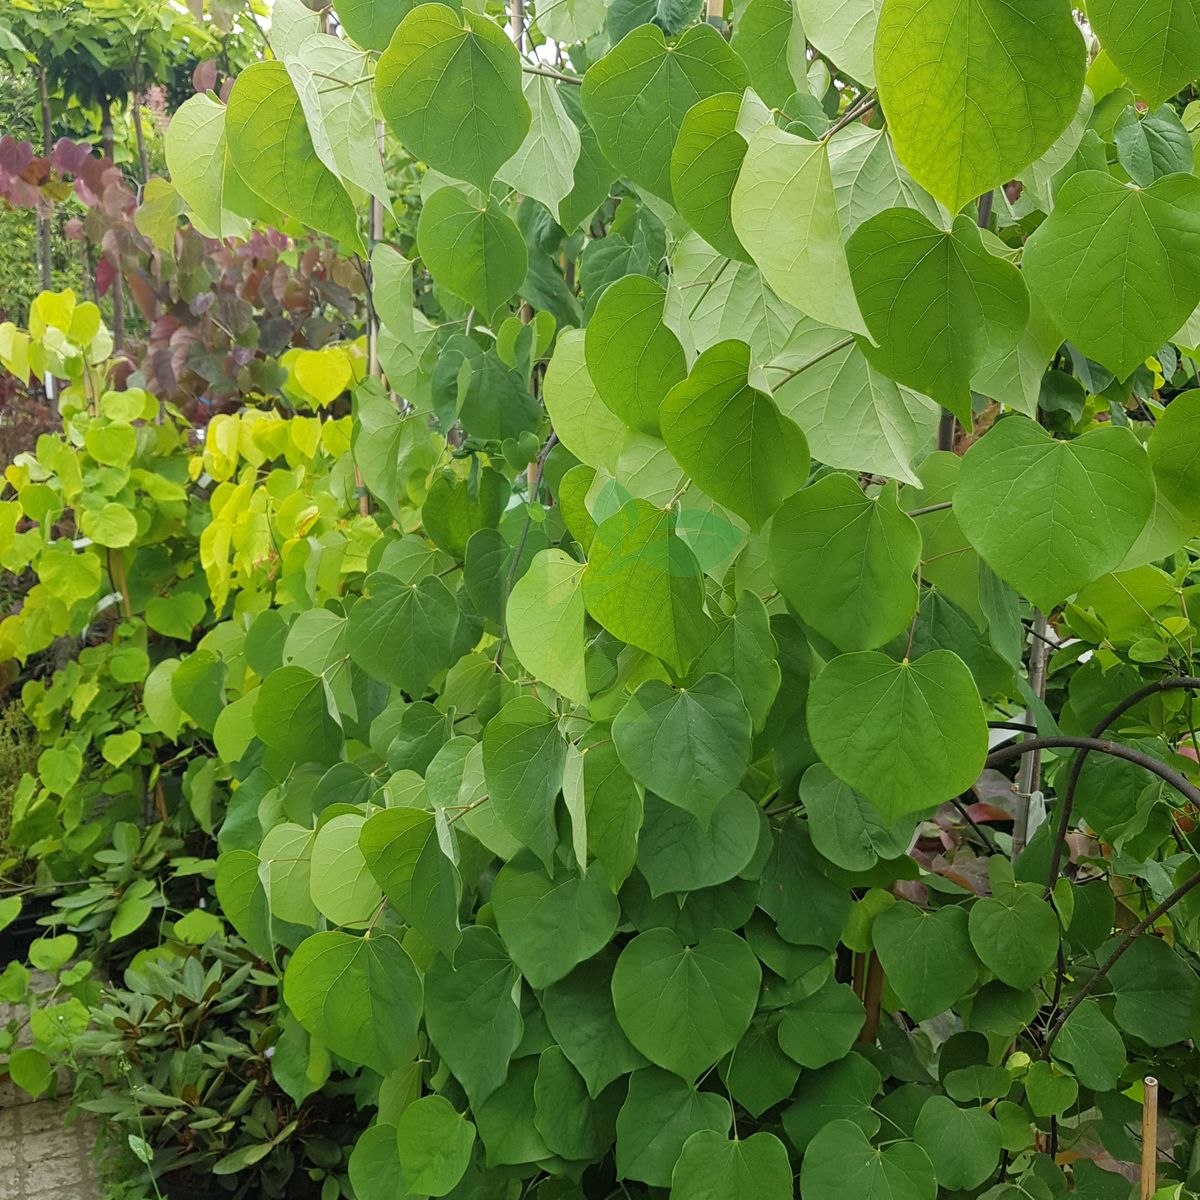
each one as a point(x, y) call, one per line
point(594, 725)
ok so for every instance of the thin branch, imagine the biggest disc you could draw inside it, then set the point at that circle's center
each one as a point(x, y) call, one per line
point(812, 362)
point(856, 110)
point(550, 74)
point(1111, 961)
point(1029, 778)
point(931, 508)
point(1089, 744)
point(1189, 683)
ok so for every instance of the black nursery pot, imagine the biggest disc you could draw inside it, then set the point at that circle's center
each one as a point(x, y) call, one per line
point(16, 938)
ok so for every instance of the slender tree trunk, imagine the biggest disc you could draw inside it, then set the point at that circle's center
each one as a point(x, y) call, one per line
point(118, 287)
point(1029, 778)
point(135, 101)
point(45, 244)
point(516, 23)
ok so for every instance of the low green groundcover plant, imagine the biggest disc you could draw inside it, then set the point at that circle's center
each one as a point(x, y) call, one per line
point(712, 716)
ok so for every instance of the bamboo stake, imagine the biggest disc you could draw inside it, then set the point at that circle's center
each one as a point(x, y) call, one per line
point(1149, 1137)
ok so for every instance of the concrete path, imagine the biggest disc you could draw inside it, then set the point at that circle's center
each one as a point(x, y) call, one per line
point(40, 1158)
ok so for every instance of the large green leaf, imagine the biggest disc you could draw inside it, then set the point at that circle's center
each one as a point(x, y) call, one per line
point(809, 908)
point(731, 438)
point(570, 21)
point(844, 31)
point(644, 585)
point(938, 305)
point(434, 1141)
point(334, 84)
point(845, 561)
point(295, 716)
point(745, 650)
point(523, 758)
point(705, 163)
point(768, 37)
point(374, 1166)
point(962, 1143)
point(544, 165)
point(1156, 991)
point(360, 995)
point(854, 417)
point(658, 1117)
point(632, 357)
point(342, 887)
point(272, 151)
point(550, 925)
point(1153, 145)
point(975, 90)
point(472, 249)
point(584, 423)
point(1079, 263)
point(844, 1090)
point(198, 158)
point(472, 1019)
point(907, 735)
point(400, 846)
point(1092, 1046)
point(868, 177)
point(711, 299)
point(371, 23)
point(677, 854)
point(638, 94)
point(1156, 43)
point(450, 88)
point(704, 997)
point(821, 1027)
point(840, 1162)
point(926, 956)
point(690, 746)
point(580, 1014)
point(845, 828)
point(403, 634)
point(785, 214)
point(713, 1167)
point(572, 1124)
point(1051, 516)
point(1174, 450)
point(545, 619)
point(1015, 933)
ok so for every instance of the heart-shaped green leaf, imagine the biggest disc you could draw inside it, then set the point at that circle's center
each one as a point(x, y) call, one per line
point(937, 304)
point(845, 561)
point(926, 956)
point(840, 1162)
point(1051, 516)
point(731, 438)
point(705, 997)
point(1078, 264)
point(450, 88)
point(638, 94)
point(690, 746)
point(907, 735)
point(974, 92)
point(713, 1167)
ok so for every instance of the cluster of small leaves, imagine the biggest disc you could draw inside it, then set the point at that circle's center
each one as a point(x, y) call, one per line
point(218, 321)
point(593, 784)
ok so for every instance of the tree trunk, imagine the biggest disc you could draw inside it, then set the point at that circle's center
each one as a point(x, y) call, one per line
point(45, 245)
point(118, 290)
point(135, 101)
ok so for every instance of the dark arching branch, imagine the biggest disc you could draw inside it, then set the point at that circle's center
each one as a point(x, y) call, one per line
point(1067, 803)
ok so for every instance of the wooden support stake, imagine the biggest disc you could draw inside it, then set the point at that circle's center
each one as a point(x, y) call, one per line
point(1149, 1137)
